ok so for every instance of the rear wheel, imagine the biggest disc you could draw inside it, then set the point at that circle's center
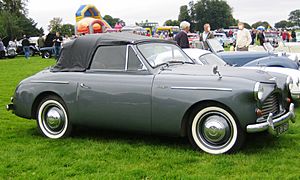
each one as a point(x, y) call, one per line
point(52, 118)
point(46, 55)
point(214, 130)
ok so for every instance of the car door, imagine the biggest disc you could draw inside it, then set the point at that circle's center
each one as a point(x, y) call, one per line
point(115, 92)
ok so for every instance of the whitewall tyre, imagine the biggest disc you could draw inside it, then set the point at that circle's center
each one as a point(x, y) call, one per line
point(52, 118)
point(214, 130)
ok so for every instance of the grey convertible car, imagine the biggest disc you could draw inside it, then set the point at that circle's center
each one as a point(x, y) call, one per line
point(123, 81)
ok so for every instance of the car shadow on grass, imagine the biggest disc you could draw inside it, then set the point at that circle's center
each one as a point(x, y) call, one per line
point(258, 143)
point(131, 138)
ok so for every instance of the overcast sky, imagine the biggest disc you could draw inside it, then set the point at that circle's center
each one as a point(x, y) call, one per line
point(131, 11)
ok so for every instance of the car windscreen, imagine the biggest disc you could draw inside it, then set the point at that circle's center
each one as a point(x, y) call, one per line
point(211, 59)
point(163, 53)
point(215, 45)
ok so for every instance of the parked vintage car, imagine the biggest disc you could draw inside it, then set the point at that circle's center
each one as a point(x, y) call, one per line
point(241, 58)
point(205, 57)
point(123, 81)
point(223, 39)
point(272, 38)
point(33, 49)
point(192, 37)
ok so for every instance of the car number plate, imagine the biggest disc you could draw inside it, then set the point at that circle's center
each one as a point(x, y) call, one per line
point(282, 128)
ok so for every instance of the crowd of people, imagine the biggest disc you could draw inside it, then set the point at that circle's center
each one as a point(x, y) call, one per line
point(243, 38)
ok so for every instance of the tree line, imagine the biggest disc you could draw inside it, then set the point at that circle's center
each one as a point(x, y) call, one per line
point(14, 22)
point(219, 15)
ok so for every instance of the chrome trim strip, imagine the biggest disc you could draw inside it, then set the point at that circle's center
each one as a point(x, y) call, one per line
point(203, 88)
point(271, 123)
point(53, 82)
point(126, 61)
point(136, 53)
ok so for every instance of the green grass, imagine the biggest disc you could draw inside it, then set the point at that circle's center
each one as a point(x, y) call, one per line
point(96, 154)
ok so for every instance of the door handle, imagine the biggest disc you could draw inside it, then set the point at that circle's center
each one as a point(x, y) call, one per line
point(84, 86)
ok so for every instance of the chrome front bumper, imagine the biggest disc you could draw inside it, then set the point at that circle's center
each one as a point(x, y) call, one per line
point(10, 107)
point(271, 123)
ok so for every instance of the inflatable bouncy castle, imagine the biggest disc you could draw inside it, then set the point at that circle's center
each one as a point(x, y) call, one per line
point(90, 21)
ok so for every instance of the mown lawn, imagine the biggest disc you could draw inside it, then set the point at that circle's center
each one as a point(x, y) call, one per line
point(94, 154)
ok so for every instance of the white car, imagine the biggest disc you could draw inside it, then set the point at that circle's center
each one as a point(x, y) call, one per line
point(291, 49)
point(204, 57)
point(224, 39)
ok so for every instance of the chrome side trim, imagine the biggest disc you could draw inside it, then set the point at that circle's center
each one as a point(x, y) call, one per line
point(127, 54)
point(202, 88)
point(52, 82)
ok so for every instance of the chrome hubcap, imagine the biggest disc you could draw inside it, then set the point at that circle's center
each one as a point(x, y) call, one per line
point(54, 119)
point(215, 129)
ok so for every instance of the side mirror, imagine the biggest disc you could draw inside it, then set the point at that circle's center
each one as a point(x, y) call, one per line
point(216, 71)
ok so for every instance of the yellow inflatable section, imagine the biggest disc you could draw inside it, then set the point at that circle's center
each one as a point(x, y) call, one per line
point(90, 11)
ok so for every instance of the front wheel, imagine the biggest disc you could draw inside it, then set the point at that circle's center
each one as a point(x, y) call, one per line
point(215, 130)
point(52, 118)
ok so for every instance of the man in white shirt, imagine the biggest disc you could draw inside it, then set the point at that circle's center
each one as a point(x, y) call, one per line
point(243, 39)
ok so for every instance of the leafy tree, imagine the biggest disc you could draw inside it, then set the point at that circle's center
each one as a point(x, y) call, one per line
point(15, 26)
point(13, 20)
point(55, 25)
point(67, 29)
point(261, 23)
point(283, 24)
point(172, 23)
point(113, 21)
point(13, 6)
point(247, 26)
point(215, 12)
point(184, 14)
point(294, 17)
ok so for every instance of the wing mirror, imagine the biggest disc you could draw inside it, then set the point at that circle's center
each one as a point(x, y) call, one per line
point(216, 71)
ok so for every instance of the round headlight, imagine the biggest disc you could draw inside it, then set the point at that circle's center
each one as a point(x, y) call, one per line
point(258, 91)
point(289, 82)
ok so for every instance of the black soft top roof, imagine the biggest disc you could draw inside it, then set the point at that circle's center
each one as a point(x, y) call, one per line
point(76, 55)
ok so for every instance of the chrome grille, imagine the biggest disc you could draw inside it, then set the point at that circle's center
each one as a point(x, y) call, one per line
point(270, 105)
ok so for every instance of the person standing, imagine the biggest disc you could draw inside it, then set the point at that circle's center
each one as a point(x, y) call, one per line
point(284, 35)
point(26, 48)
point(182, 38)
point(261, 37)
point(293, 36)
point(2, 50)
point(207, 34)
point(57, 44)
point(41, 41)
point(243, 39)
point(253, 36)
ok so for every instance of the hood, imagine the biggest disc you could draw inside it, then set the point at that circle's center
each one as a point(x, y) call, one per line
point(225, 71)
point(241, 58)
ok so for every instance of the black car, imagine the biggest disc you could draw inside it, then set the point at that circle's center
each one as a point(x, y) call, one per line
point(48, 50)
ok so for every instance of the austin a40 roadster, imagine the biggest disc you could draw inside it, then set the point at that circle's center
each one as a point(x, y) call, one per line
point(122, 81)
